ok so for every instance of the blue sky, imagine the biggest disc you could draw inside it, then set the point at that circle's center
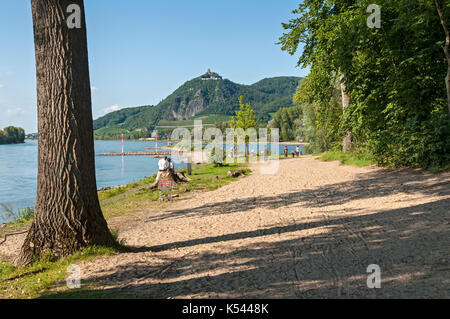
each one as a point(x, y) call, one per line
point(142, 50)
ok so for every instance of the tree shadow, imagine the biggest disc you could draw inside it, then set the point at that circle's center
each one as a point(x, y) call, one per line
point(370, 185)
point(409, 244)
point(293, 228)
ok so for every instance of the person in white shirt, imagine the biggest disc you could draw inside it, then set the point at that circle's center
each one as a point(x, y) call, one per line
point(163, 165)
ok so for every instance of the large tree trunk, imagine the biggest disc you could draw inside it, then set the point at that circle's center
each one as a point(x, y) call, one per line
point(347, 141)
point(68, 215)
point(446, 48)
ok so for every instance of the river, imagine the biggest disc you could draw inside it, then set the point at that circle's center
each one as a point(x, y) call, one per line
point(18, 169)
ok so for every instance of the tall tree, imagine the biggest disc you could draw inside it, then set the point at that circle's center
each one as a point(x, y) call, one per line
point(68, 215)
point(245, 119)
point(446, 48)
point(347, 141)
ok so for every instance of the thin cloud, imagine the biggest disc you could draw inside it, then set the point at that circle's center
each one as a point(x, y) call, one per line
point(110, 109)
point(1, 86)
point(18, 111)
point(94, 89)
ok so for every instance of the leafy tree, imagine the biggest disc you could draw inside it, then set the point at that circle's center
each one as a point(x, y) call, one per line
point(245, 118)
point(445, 47)
point(321, 117)
point(12, 135)
point(288, 120)
point(393, 76)
point(2, 137)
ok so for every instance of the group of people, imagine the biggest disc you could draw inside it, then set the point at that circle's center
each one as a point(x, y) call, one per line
point(298, 150)
point(166, 165)
point(234, 152)
point(265, 152)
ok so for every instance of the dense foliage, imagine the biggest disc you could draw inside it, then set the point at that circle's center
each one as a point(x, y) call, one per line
point(200, 97)
point(12, 135)
point(289, 121)
point(394, 76)
point(321, 118)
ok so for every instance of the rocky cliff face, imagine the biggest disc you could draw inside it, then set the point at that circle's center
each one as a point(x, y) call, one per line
point(185, 108)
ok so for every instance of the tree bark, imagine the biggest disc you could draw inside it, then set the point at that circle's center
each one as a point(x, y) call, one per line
point(446, 49)
point(347, 141)
point(68, 215)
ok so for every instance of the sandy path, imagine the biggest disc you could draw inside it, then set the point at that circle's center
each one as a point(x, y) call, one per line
point(310, 231)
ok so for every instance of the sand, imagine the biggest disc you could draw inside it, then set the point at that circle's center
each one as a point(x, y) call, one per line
point(310, 231)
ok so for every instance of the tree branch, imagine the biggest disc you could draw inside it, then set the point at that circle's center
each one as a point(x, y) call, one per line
point(447, 33)
point(12, 234)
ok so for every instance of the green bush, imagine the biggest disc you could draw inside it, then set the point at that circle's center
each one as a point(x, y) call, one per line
point(19, 216)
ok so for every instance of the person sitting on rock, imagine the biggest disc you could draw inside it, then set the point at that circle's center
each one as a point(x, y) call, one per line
point(163, 164)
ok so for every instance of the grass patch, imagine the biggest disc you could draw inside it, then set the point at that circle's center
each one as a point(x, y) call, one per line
point(44, 275)
point(137, 197)
point(19, 217)
point(211, 177)
point(345, 158)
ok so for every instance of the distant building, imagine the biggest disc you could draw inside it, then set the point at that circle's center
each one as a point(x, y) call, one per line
point(210, 76)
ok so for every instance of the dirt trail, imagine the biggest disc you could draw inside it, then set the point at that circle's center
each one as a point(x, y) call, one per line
point(310, 231)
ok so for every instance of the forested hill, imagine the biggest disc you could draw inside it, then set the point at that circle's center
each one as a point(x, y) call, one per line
point(208, 94)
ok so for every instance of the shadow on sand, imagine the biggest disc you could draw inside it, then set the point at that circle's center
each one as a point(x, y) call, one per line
point(411, 246)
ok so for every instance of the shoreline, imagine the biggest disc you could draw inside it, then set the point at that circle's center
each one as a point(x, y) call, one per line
point(15, 143)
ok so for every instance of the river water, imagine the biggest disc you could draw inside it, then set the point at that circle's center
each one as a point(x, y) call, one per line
point(18, 169)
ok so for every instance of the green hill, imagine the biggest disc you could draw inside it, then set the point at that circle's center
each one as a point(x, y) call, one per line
point(209, 97)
